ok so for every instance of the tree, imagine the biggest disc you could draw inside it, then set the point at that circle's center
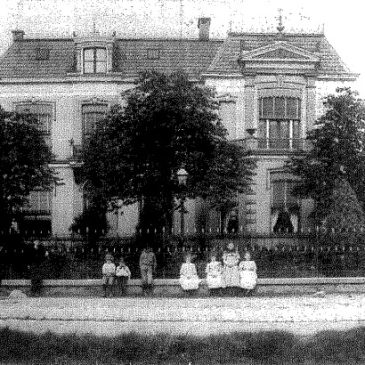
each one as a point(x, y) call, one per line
point(344, 213)
point(337, 152)
point(167, 123)
point(24, 159)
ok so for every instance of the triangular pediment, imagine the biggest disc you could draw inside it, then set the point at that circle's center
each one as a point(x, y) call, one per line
point(280, 51)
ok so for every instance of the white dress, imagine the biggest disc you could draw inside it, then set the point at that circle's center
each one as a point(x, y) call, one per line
point(248, 275)
point(189, 279)
point(231, 275)
point(214, 272)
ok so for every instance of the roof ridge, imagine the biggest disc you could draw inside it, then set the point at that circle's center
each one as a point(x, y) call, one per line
point(197, 40)
point(275, 34)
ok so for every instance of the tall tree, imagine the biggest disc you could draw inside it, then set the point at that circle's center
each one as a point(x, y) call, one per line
point(344, 213)
point(167, 123)
point(337, 151)
point(24, 159)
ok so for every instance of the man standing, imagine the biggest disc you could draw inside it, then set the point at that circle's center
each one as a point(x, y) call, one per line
point(147, 265)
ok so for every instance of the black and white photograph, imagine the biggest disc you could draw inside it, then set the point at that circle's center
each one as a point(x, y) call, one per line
point(182, 182)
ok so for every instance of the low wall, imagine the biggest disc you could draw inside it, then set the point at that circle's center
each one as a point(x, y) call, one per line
point(171, 287)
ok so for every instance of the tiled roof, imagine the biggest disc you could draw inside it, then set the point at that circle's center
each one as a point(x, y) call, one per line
point(226, 59)
point(194, 56)
point(20, 61)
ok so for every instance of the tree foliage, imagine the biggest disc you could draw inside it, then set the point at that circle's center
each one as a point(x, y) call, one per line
point(344, 213)
point(337, 151)
point(168, 122)
point(24, 158)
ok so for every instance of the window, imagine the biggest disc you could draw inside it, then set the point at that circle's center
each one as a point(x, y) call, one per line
point(39, 203)
point(153, 54)
point(36, 219)
point(42, 54)
point(279, 123)
point(94, 60)
point(43, 113)
point(91, 114)
point(284, 207)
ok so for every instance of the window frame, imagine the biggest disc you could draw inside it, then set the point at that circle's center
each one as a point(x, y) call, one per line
point(290, 204)
point(94, 61)
point(49, 110)
point(29, 211)
point(90, 129)
point(268, 123)
point(153, 53)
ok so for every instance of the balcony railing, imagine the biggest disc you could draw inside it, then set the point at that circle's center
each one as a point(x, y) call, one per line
point(275, 144)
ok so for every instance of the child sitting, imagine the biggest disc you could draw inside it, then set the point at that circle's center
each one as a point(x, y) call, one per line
point(189, 279)
point(122, 274)
point(248, 275)
point(108, 271)
point(214, 272)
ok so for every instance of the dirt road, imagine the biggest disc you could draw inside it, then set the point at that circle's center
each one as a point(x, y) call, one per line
point(303, 315)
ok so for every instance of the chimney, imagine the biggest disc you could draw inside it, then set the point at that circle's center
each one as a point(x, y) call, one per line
point(204, 25)
point(18, 35)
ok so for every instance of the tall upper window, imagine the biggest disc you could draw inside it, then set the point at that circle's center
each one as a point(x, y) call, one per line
point(95, 60)
point(43, 113)
point(279, 123)
point(91, 114)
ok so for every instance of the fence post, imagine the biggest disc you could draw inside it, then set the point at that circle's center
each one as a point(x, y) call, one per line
point(316, 253)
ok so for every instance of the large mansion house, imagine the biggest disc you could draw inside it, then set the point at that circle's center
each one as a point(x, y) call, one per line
point(270, 87)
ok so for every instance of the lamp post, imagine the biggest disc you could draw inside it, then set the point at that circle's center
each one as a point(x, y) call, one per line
point(182, 176)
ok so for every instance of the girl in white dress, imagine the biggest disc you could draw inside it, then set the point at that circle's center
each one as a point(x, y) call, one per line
point(231, 259)
point(248, 273)
point(214, 271)
point(189, 279)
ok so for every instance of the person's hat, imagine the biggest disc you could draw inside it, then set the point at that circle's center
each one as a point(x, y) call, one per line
point(230, 246)
point(108, 256)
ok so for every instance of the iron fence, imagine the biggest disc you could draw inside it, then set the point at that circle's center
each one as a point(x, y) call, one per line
point(306, 255)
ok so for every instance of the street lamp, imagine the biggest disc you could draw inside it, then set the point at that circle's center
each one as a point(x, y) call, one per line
point(182, 176)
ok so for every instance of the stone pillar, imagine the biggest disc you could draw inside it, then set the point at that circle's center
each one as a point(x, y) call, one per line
point(310, 103)
point(250, 104)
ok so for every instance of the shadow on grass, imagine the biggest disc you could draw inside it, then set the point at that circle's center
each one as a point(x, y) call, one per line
point(274, 347)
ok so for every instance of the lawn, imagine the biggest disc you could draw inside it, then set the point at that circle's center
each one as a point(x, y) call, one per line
point(274, 347)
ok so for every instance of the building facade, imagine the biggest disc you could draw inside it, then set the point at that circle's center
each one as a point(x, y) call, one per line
point(270, 88)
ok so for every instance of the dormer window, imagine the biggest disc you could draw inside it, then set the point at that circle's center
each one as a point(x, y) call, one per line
point(94, 54)
point(95, 60)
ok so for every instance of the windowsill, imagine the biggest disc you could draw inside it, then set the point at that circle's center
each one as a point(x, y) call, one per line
point(108, 73)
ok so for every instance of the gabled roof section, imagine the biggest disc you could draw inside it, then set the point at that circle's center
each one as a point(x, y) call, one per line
point(273, 46)
point(279, 57)
point(279, 50)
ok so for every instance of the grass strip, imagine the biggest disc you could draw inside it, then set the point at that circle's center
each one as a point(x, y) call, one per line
point(269, 347)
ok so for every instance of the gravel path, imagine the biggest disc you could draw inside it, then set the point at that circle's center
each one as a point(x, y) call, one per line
point(302, 315)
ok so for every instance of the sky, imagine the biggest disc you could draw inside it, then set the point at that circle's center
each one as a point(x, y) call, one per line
point(342, 21)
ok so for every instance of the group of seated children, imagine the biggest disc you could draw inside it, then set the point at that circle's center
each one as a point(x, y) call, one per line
point(232, 274)
point(113, 274)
